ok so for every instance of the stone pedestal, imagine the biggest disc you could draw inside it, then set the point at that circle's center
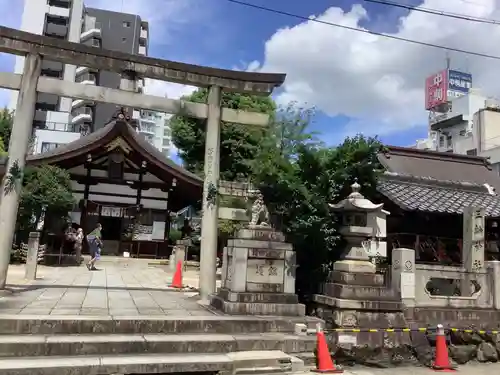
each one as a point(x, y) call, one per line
point(355, 258)
point(258, 275)
point(181, 248)
point(361, 300)
point(32, 256)
point(354, 295)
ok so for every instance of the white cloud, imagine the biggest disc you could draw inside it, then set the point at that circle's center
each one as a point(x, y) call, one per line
point(164, 16)
point(375, 80)
point(167, 89)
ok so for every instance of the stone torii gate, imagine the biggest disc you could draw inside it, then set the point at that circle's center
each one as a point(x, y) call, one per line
point(37, 47)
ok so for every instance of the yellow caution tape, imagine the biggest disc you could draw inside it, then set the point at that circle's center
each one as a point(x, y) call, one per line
point(357, 330)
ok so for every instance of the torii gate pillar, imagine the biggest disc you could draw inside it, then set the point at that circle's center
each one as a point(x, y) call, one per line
point(210, 204)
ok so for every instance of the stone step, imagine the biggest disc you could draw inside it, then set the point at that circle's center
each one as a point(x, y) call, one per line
point(261, 362)
point(81, 324)
point(97, 344)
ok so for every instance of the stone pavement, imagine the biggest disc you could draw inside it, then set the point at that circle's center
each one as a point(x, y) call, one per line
point(121, 287)
point(468, 369)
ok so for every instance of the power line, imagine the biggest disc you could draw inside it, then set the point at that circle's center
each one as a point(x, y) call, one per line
point(388, 36)
point(435, 12)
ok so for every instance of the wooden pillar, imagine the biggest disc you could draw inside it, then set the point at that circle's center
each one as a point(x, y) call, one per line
point(86, 193)
point(139, 184)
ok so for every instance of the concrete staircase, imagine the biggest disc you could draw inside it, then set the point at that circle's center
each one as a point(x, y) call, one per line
point(64, 345)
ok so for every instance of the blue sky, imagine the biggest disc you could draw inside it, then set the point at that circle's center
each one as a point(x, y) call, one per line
point(358, 83)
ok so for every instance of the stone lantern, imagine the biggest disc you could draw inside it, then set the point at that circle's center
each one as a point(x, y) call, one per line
point(357, 228)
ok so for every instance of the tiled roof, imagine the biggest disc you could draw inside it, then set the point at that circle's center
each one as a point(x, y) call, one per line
point(431, 195)
point(442, 166)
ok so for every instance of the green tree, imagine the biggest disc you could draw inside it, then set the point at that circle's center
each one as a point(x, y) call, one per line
point(298, 175)
point(299, 178)
point(6, 121)
point(45, 189)
point(239, 143)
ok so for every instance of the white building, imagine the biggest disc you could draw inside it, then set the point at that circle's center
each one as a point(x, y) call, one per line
point(53, 114)
point(471, 127)
point(62, 120)
point(155, 127)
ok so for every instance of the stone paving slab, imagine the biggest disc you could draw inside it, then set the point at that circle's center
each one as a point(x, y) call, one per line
point(122, 288)
point(468, 369)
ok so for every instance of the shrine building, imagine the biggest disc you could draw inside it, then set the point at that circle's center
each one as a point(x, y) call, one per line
point(126, 184)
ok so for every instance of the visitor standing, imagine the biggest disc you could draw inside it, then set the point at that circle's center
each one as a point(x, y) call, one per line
point(78, 245)
point(94, 240)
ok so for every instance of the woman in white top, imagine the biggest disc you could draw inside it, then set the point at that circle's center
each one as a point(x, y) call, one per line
point(78, 245)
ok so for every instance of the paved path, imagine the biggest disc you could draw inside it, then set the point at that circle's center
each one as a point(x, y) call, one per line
point(120, 287)
point(469, 369)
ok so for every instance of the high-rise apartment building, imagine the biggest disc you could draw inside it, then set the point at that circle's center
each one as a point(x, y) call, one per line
point(113, 31)
point(155, 127)
point(63, 120)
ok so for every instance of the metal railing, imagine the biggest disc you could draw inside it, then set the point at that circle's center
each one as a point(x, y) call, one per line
point(82, 111)
point(57, 126)
point(86, 77)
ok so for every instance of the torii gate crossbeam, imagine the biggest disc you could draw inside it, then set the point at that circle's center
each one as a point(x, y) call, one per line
point(37, 47)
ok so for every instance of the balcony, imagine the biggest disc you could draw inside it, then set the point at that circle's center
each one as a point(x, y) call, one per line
point(149, 138)
point(91, 31)
point(147, 128)
point(56, 126)
point(86, 78)
point(59, 3)
point(82, 115)
point(144, 34)
point(49, 146)
point(80, 70)
point(56, 30)
point(78, 103)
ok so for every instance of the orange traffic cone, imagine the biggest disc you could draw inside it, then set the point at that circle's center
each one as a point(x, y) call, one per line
point(442, 362)
point(324, 361)
point(177, 280)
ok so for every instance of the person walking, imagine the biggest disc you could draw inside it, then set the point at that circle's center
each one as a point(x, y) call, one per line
point(94, 240)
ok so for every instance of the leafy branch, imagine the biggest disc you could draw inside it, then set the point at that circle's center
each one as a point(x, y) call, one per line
point(13, 178)
point(212, 195)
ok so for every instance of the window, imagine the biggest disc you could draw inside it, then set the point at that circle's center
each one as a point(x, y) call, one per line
point(441, 141)
point(126, 24)
point(48, 146)
point(166, 142)
point(45, 107)
point(51, 73)
point(96, 42)
point(124, 40)
point(59, 3)
point(449, 142)
point(472, 152)
point(55, 20)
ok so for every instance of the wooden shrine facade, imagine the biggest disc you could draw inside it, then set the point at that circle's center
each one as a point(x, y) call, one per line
point(126, 184)
point(426, 193)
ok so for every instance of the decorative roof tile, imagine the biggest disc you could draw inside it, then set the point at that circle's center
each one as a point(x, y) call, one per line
point(436, 196)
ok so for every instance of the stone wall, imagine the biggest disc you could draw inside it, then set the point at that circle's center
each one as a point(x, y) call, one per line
point(416, 348)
